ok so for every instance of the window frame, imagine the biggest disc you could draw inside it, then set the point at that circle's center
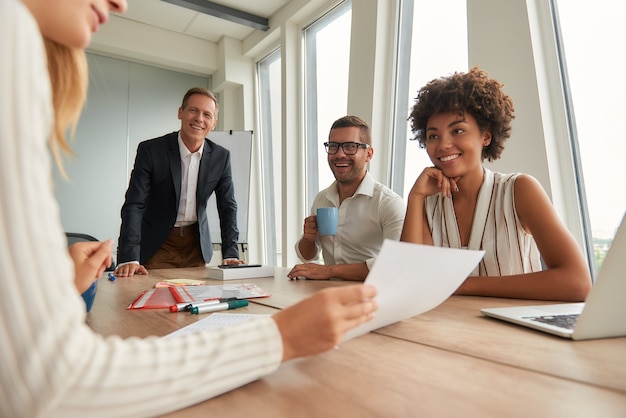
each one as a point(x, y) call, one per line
point(572, 131)
point(313, 137)
point(268, 139)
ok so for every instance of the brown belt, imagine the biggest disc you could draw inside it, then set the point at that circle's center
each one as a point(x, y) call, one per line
point(185, 230)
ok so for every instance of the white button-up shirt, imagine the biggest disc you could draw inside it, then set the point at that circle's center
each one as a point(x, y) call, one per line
point(374, 213)
point(190, 166)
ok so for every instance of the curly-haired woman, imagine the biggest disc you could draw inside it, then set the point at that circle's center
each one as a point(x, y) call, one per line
point(461, 120)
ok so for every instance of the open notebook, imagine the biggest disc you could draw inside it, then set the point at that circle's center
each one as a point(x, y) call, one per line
point(603, 314)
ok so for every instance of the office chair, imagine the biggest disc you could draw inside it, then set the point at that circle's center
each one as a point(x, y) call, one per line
point(74, 237)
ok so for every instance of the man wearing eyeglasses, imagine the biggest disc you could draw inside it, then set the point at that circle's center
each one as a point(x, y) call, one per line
point(369, 212)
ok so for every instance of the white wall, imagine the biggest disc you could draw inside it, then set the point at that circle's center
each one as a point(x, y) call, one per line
point(504, 39)
point(499, 43)
point(126, 39)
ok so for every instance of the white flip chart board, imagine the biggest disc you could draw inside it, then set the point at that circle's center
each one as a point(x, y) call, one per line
point(239, 143)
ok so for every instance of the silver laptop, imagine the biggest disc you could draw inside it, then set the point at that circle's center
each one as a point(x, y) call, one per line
point(603, 315)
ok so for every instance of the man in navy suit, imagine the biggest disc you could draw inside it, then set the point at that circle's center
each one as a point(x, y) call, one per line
point(164, 218)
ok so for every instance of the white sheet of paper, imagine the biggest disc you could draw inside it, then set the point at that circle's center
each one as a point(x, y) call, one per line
point(213, 321)
point(412, 279)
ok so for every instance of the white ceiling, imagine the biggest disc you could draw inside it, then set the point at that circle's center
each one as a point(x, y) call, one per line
point(177, 19)
point(155, 32)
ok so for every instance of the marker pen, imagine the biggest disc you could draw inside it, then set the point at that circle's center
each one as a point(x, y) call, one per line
point(112, 277)
point(180, 307)
point(233, 304)
point(209, 302)
point(186, 306)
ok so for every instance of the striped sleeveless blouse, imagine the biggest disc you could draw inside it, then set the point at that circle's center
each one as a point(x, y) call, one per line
point(496, 228)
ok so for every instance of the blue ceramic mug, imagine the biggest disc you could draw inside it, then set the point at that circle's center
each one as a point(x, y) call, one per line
point(327, 219)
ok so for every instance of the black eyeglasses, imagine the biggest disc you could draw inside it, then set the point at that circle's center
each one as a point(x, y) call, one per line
point(349, 148)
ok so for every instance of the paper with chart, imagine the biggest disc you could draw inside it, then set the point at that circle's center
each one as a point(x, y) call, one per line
point(412, 279)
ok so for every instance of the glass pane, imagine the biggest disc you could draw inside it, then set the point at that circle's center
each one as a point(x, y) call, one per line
point(598, 96)
point(271, 143)
point(431, 60)
point(327, 53)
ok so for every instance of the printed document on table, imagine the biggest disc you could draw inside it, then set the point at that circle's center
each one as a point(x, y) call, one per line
point(213, 321)
point(412, 279)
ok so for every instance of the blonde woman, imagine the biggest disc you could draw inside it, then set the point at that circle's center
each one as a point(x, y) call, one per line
point(53, 364)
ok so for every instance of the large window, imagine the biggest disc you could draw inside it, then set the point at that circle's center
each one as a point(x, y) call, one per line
point(327, 60)
point(591, 35)
point(438, 47)
point(269, 74)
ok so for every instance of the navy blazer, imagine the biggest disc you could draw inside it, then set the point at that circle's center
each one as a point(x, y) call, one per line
point(153, 195)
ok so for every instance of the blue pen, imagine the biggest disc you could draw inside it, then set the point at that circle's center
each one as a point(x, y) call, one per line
point(112, 277)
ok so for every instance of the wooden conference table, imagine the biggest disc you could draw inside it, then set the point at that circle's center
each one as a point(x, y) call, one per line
point(450, 361)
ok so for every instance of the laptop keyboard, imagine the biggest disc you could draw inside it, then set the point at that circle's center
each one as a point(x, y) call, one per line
point(562, 321)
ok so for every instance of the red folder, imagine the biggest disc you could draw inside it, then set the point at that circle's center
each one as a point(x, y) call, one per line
point(164, 297)
point(154, 298)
